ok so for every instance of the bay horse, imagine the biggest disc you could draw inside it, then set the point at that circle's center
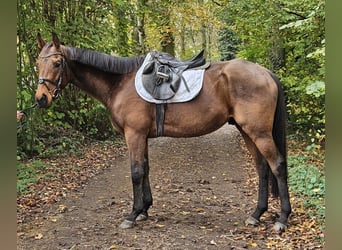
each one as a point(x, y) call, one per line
point(237, 91)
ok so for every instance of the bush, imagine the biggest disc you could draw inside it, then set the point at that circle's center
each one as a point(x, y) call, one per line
point(306, 109)
point(28, 140)
point(64, 127)
point(80, 112)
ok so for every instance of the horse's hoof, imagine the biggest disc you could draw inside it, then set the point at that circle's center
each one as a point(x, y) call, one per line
point(279, 227)
point(251, 221)
point(127, 224)
point(141, 217)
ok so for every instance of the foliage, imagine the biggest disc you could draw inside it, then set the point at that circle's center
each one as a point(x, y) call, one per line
point(46, 143)
point(27, 174)
point(228, 44)
point(308, 182)
point(288, 38)
point(84, 114)
point(306, 85)
point(188, 26)
point(28, 141)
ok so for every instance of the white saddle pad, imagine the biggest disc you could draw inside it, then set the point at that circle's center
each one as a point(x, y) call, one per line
point(193, 78)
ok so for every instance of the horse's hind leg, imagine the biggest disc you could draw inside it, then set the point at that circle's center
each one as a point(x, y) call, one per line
point(261, 144)
point(263, 173)
point(277, 163)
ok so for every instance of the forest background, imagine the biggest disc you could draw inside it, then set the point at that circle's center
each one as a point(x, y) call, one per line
point(288, 37)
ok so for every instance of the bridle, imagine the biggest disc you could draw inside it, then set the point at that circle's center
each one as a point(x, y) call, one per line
point(42, 80)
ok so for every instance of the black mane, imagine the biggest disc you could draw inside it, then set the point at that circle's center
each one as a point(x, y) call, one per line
point(105, 62)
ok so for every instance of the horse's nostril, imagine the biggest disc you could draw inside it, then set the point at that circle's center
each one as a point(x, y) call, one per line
point(42, 102)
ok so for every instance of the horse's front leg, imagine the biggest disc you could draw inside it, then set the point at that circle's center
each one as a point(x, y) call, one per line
point(142, 197)
point(147, 195)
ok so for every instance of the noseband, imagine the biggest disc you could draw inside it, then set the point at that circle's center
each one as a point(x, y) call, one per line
point(43, 80)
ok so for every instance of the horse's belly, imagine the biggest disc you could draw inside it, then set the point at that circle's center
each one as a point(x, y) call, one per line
point(192, 123)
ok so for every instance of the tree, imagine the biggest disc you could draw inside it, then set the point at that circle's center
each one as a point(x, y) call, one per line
point(288, 38)
point(228, 44)
point(305, 71)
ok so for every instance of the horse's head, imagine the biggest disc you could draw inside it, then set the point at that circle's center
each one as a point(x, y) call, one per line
point(51, 65)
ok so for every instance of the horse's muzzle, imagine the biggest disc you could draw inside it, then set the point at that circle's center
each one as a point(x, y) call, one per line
point(43, 101)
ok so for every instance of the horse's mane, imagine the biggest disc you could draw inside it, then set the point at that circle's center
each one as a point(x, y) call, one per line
point(105, 62)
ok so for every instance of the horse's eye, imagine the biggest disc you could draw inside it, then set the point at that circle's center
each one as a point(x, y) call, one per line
point(56, 64)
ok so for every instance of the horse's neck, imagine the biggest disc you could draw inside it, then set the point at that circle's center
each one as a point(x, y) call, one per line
point(94, 82)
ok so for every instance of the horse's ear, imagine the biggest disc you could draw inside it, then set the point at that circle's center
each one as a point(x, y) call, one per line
point(55, 40)
point(41, 42)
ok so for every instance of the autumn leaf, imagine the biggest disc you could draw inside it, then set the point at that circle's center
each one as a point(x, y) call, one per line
point(114, 246)
point(184, 212)
point(199, 209)
point(62, 208)
point(212, 242)
point(38, 236)
point(252, 244)
point(160, 225)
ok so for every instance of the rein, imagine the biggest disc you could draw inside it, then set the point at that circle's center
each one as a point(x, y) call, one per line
point(43, 80)
point(24, 112)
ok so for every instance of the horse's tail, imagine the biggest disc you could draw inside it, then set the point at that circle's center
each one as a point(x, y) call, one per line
point(279, 132)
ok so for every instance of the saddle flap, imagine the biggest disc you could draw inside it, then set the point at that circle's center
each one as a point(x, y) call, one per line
point(160, 81)
point(149, 68)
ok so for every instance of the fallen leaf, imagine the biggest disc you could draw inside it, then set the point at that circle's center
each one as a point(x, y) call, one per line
point(114, 246)
point(252, 243)
point(20, 234)
point(212, 242)
point(184, 213)
point(62, 208)
point(38, 236)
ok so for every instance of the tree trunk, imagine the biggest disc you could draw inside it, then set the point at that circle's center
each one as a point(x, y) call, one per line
point(277, 50)
point(138, 34)
point(168, 42)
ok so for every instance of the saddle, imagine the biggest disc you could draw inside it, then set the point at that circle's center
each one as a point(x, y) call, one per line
point(162, 75)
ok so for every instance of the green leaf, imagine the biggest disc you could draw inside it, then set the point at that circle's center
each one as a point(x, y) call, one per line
point(316, 88)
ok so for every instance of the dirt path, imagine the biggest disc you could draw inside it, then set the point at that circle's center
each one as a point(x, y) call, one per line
point(201, 199)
